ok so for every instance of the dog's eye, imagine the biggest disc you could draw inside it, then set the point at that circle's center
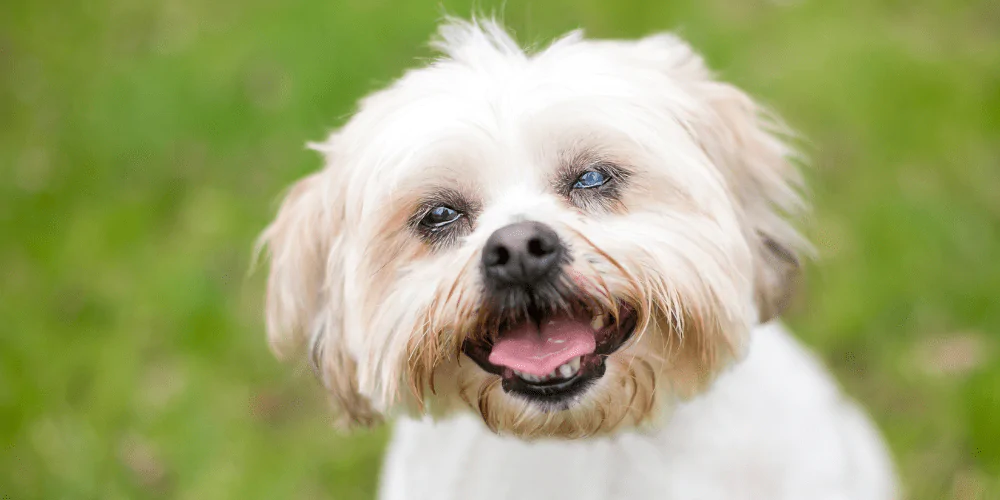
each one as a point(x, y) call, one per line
point(590, 179)
point(440, 216)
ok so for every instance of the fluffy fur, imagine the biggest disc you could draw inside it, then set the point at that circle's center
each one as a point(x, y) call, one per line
point(697, 237)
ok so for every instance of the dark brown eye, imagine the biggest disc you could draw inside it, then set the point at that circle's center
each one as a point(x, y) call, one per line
point(443, 217)
point(440, 216)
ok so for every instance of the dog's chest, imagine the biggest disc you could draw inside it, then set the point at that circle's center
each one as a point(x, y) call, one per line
point(465, 462)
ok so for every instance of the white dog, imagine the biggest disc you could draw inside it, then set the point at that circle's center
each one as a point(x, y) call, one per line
point(559, 270)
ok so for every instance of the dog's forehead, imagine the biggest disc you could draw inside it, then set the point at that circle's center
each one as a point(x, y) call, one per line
point(453, 102)
point(499, 132)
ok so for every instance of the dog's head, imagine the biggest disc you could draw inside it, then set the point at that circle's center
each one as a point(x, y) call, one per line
point(563, 242)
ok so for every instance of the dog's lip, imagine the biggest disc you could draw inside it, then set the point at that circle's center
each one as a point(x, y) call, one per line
point(609, 340)
point(555, 394)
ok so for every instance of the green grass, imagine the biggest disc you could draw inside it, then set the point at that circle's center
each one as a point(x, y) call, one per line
point(143, 145)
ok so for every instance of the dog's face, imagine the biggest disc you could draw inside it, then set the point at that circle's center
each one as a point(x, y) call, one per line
point(562, 242)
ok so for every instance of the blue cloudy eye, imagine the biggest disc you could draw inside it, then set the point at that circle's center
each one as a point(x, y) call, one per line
point(440, 216)
point(590, 179)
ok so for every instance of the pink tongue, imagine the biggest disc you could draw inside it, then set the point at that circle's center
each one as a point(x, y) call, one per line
point(528, 350)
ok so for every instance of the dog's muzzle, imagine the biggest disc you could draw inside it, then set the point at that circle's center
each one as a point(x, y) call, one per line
point(548, 341)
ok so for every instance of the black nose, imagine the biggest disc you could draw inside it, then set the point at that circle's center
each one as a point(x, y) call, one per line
point(521, 254)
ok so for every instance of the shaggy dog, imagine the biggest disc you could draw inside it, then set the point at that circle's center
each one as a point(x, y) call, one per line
point(560, 270)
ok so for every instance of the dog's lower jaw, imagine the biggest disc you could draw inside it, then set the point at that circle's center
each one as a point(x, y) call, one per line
point(774, 427)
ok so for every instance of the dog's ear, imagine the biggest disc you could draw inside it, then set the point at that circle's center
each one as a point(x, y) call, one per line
point(752, 148)
point(305, 291)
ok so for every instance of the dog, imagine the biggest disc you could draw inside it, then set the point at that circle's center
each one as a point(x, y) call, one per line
point(560, 272)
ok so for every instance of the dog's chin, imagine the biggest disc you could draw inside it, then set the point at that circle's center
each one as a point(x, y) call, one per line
point(555, 369)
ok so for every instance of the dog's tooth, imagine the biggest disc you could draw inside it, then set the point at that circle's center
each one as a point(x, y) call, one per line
point(598, 322)
point(575, 364)
point(566, 371)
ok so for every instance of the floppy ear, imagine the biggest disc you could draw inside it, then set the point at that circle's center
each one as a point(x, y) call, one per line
point(747, 143)
point(305, 291)
point(750, 146)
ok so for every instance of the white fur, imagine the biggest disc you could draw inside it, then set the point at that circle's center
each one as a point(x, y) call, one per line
point(773, 428)
point(697, 238)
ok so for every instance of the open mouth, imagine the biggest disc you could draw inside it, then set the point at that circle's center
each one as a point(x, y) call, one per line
point(551, 358)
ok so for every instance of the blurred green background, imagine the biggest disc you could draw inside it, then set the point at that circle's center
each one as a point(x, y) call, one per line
point(143, 145)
